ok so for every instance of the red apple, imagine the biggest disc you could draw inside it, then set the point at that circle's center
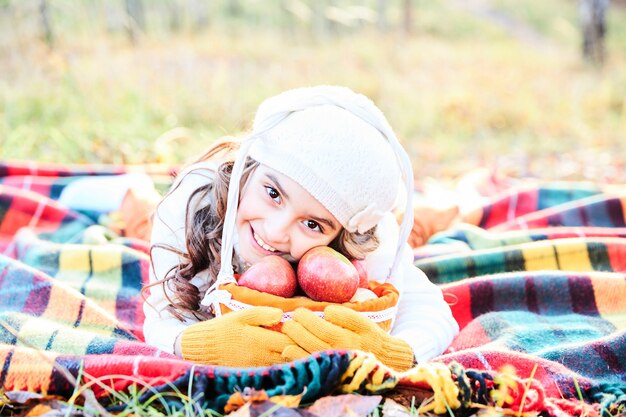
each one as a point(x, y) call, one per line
point(361, 268)
point(272, 274)
point(326, 275)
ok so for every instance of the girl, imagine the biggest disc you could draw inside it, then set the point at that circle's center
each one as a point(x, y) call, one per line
point(321, 166)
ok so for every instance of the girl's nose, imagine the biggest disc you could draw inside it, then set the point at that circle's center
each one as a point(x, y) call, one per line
point(277, 229)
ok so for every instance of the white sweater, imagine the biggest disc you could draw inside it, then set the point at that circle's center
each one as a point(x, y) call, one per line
point(423, 319)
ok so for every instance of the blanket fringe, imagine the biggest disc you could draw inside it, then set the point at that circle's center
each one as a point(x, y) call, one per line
point(325, 373)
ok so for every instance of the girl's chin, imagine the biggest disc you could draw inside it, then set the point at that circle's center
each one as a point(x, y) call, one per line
point(246, 256)
point(250, 255)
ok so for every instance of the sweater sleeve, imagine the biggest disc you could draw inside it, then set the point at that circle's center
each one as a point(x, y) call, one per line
point(424, 319)
point(160, 327)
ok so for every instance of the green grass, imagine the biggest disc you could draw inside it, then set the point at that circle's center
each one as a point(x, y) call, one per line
point(460, 91)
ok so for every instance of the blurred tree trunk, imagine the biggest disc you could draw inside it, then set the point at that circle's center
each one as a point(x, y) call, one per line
point(112, 17)
point(331, 25)
point(382, 15)
point(593, 22)
point(407, 16)
point(135, 19)
point(175, 17)
point(319, 23)
point(289, 16)
point(234, 7)
point(44, 19)
point(199, 13)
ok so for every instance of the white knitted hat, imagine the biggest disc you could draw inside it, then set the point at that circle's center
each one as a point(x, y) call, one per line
point(342, 161)
point(339, 147)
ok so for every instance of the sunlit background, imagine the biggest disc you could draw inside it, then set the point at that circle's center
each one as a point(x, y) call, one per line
point(502, 84)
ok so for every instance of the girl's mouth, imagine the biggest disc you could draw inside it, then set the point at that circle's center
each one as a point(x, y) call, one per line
point(261, 243)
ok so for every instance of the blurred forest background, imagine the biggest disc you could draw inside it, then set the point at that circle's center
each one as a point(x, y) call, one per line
point(465, 83)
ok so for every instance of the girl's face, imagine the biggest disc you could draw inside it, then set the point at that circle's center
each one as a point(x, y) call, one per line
point(276, 216)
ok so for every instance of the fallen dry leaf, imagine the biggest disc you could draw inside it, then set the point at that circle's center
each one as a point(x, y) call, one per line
point(348, 404)
point(407, 395)
point(289, 401)
point(40, 410)
point(269, 408)
point(241, 398)
point(393, 409)
point(21, 397)
point(31, 404)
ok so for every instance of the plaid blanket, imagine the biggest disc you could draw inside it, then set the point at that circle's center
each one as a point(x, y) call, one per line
point(535, 277)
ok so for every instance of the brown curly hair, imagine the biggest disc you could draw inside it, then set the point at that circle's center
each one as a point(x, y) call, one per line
point(205, 213)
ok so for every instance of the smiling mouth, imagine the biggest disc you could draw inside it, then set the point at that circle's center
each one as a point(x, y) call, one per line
point(262, 243)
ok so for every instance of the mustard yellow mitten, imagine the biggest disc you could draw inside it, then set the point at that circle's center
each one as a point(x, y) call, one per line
point(236, 339)
point(344, 328)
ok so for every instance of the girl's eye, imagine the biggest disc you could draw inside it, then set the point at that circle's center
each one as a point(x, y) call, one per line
point(313, 225)
point(273, 193)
